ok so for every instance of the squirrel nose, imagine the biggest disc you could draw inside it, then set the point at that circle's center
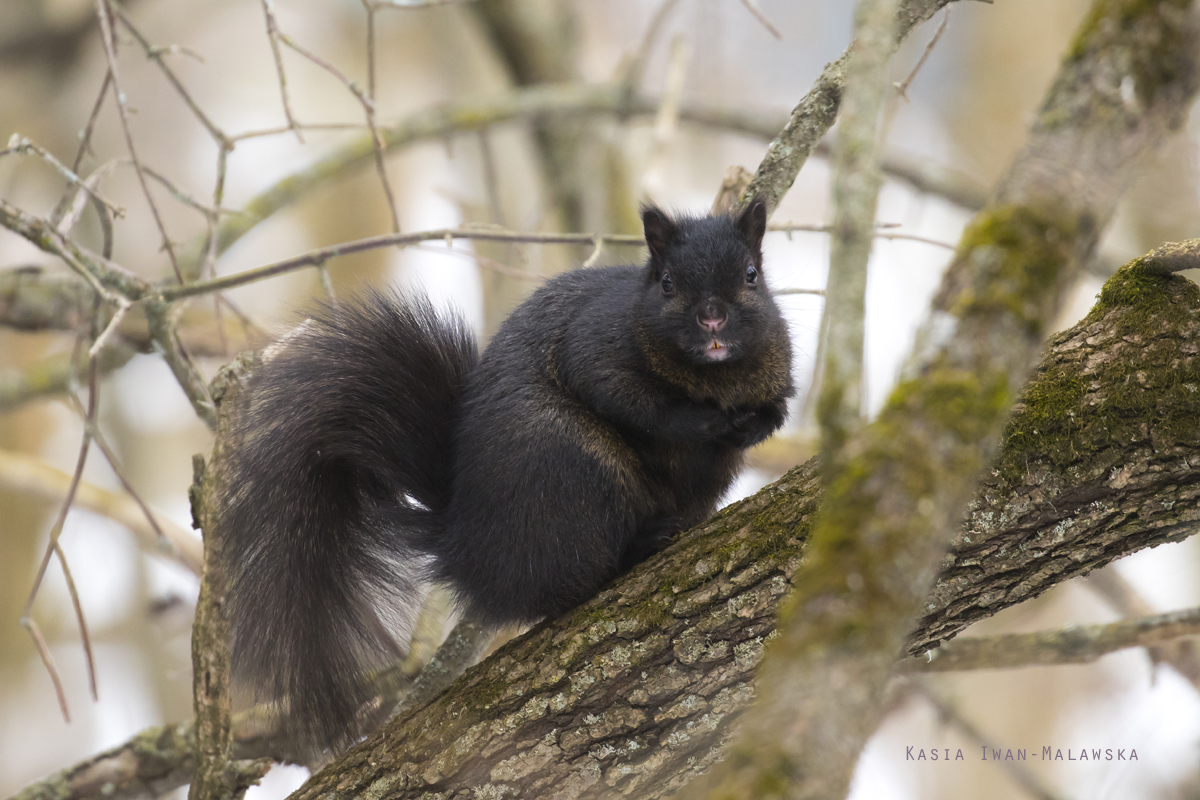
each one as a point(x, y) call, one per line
point(712, 316)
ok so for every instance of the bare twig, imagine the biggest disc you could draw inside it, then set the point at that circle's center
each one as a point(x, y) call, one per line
point(56, 531)
point(902, 87)
point(1075, 644)
point(368, 103)
point(20, 145)
point(43, 649)
point(123, 307)
point(273, 38)
point(758, 15)
point(156, 55)
point(83, 628)
point(108, 279)
point(105, 13)
point(85, 136)
point(324, 254)
point(490, 234)
point(28, 474)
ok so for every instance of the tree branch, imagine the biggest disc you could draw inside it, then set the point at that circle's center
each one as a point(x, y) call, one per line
point(893, 509)
point(636, 690)
point(1071, 645)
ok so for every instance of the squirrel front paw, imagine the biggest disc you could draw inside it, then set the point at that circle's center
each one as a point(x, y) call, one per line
point(749, 426)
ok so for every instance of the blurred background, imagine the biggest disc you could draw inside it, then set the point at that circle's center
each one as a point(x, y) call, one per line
point(963, 116)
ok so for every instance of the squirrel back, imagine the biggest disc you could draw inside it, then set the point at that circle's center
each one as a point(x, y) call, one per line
point(609, 412)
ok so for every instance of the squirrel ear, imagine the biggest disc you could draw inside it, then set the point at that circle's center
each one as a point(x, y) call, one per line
point(752, 222)
point(660, 229)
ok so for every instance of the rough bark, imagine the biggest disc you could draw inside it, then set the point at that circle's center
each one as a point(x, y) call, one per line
point(892, 510)
point(217, 775)
point(637, 691)
point(644, 681)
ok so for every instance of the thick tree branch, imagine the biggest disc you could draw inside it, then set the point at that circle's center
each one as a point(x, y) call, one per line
point(893, 508)
point(646, 677)
point(635, 691)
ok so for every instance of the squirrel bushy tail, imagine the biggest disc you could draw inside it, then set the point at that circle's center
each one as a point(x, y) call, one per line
point(345, 462)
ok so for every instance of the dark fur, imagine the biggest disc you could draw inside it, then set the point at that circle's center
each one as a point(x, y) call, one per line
point(593, 429)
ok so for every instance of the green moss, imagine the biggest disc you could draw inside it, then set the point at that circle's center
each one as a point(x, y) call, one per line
point(1149, 382)
point(1156, 40)
point(1017, 254)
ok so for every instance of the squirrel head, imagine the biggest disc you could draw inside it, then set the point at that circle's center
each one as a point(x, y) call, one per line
point(704, 292)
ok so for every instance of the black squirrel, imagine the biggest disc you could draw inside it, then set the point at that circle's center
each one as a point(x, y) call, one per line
point(379, 453)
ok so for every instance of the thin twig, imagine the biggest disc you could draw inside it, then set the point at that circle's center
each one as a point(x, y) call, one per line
point(314, 257)
point(83, 628)
point(109, 280)
point(156, 54)
point(85, 136)
point(39, 642)
point(902, 87)
point(490, 234)
point(758, 15)
point(312, 126)
point(368, 104)
point(272, 37)
point(20, 145)
point(1075, 644)
point(67, 213)
point(122, 308)
point(56, 530)
point(597, 249)
point(108, 36)
point(785, 292)
point(183, 197)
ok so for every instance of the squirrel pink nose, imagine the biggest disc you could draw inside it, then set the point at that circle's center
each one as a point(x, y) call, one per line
point(712, 316)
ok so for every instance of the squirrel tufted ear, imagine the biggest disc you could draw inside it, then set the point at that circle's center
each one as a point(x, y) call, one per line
point(752, 222)
point(660, 229)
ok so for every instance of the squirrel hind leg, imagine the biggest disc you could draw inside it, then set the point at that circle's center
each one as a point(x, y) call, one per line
point(653, 536)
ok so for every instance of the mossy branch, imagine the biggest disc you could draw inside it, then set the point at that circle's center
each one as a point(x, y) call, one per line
point(892, 509)
point(634, 692)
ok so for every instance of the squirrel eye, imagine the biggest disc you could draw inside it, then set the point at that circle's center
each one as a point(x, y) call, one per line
point(667, 285)
point(751, 274)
